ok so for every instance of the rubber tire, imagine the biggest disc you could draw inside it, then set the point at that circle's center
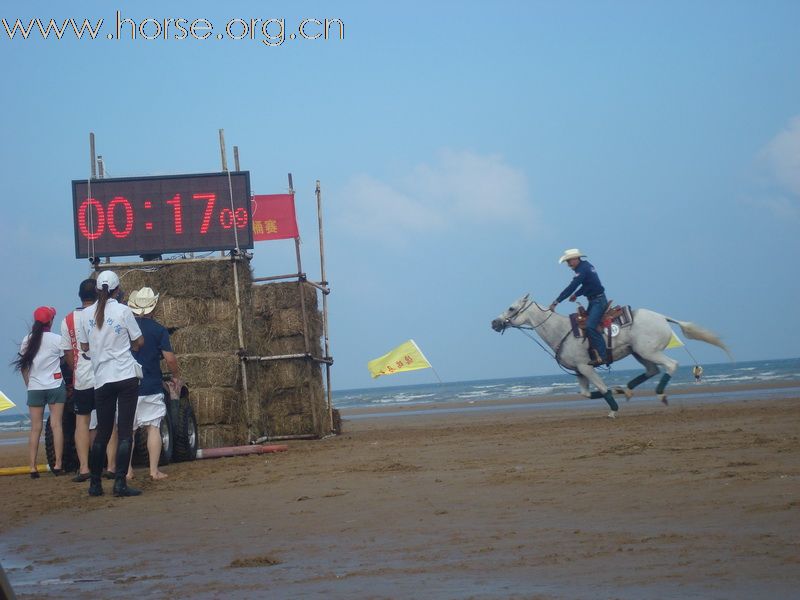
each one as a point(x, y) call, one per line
point(141, 457)
point(185, 439)
point(69, 459)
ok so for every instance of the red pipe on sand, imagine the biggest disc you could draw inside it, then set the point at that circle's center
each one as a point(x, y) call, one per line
point(238, 451)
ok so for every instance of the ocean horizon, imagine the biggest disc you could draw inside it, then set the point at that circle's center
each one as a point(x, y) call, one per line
point(716, 374)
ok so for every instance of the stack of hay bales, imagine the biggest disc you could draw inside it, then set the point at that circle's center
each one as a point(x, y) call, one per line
point(288, 392)
point(197, 304)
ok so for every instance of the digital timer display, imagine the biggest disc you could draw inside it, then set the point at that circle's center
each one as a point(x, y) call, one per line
point(159, 215)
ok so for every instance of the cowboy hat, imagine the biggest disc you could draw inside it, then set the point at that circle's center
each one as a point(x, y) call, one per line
point(571, 253)
point(143, 301)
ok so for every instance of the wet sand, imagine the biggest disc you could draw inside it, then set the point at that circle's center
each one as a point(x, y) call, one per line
point(695, 500)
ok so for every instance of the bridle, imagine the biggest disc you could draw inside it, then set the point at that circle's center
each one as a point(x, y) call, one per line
point(554, 355)
point(520, 310)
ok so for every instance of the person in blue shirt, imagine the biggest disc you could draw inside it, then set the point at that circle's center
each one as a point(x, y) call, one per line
point(586, 282)
point(151, 408)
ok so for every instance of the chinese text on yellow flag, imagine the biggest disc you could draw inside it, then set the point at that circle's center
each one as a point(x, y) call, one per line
point(406, 357)
point(5, 402)
point(674, 342)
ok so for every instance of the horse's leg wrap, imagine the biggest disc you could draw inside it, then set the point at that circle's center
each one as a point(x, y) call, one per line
point(638, 380)
point(596, 395)
point(663, 383)
point(609, 396)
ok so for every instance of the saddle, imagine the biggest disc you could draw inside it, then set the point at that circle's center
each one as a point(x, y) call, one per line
point(614, 315)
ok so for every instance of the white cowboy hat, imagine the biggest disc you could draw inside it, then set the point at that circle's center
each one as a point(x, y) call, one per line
point(571, 253)
point(143, 301)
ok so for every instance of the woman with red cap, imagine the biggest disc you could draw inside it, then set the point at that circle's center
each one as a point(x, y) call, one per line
point(39, 361)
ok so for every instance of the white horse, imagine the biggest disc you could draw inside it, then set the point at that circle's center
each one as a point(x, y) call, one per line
point(645, 339)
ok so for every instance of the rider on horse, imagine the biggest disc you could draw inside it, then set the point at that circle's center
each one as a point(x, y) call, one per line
point(586, 277)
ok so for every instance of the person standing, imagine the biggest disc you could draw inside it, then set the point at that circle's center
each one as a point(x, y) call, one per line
point(586, 282)
point(83, 376)
point(109, 330)
point(697, 371)
point(39, 361)
point(151, 408)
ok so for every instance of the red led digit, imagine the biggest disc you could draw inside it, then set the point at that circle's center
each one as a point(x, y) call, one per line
point(112, 226)
point(226, 218)
point(177, 213)
point(210, 201)
point(99, 220)
point(241, 218)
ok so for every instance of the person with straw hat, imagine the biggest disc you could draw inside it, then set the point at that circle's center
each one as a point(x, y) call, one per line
point(586, 282)
point(151, 408)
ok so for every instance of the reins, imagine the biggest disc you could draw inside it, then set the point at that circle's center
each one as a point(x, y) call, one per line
point(525, 329)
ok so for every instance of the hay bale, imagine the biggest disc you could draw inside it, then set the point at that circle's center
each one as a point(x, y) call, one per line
point(201, 279)
point(209, 338)
point(219, 436)
point(209, 370)
point(215, 406)
point(174, 312)
point(271, 296)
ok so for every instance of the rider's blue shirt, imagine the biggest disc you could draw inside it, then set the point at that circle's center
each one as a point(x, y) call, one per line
point(586, 277)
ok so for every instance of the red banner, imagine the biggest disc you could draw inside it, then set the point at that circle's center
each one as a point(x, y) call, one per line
point(273, 217)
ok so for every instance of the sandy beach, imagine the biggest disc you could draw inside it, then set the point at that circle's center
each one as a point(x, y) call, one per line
point(694, 500)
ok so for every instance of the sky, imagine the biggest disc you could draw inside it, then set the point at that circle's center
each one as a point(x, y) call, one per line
point(461, 148)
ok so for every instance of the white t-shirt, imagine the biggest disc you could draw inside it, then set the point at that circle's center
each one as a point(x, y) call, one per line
point(110, 346)
point(45, 371)
point(83, 375)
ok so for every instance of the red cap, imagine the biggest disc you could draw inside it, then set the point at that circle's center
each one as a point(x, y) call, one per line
point(44, 314)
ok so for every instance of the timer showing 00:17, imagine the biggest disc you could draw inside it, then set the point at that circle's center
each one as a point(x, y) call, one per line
point(94, 219)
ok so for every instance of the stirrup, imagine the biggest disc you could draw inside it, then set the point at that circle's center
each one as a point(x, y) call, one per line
point(594, 358)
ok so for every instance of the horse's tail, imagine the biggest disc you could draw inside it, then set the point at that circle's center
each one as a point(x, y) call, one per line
point(695, 332)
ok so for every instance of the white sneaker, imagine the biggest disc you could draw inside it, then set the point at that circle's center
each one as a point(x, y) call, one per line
point(612, 414)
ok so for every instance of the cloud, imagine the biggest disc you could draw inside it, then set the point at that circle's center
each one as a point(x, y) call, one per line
point(782, 157)
point(458, 188)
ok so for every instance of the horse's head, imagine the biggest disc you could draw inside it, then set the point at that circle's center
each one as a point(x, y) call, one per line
point(508, 318)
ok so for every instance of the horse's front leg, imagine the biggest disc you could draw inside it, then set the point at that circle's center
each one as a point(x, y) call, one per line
point(583, 383)
point(591, 375)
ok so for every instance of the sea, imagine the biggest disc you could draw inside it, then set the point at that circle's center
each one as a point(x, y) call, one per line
point(737, 373)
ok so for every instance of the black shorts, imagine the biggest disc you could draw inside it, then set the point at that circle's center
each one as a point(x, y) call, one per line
point(83, 401)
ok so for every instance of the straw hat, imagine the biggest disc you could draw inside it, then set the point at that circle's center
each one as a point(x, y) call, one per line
point(571, 253)
point(143, 301)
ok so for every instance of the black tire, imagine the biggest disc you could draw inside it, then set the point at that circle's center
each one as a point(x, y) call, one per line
point(185, 430)
point(141, 457)
point(69, 458)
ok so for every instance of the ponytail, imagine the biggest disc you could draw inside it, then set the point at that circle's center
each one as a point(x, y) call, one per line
point(102, 297)
point(24, 362)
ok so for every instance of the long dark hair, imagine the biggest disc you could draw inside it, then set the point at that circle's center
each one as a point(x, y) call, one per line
point(24, 362)
point(103, 294)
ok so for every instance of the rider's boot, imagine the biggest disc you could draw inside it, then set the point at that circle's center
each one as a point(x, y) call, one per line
point(595, 359)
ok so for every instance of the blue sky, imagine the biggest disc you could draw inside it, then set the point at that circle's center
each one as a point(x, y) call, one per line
point(461, 146)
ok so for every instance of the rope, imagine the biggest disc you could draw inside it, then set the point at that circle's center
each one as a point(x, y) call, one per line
point(233, 212)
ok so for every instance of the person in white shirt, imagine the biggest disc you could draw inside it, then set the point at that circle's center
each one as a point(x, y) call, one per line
point(39, 361)
point(109, 330)
point(83, 376)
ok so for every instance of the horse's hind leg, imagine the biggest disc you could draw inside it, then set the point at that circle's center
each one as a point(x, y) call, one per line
point(651, 370)
point(669, 365)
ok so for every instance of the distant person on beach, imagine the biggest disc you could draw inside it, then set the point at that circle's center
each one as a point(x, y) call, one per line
point(698, 373)
point(109, 331)
point(39, 361)
point(586, 282)
point(151, 408)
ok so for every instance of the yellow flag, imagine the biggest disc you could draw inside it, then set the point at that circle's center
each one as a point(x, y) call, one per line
point(406, 357)
point(674, 342)
point(5, 402)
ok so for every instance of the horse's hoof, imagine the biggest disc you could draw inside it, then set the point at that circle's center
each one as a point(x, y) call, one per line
point(663, 398)
point(612, 414)
point(623, 390)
